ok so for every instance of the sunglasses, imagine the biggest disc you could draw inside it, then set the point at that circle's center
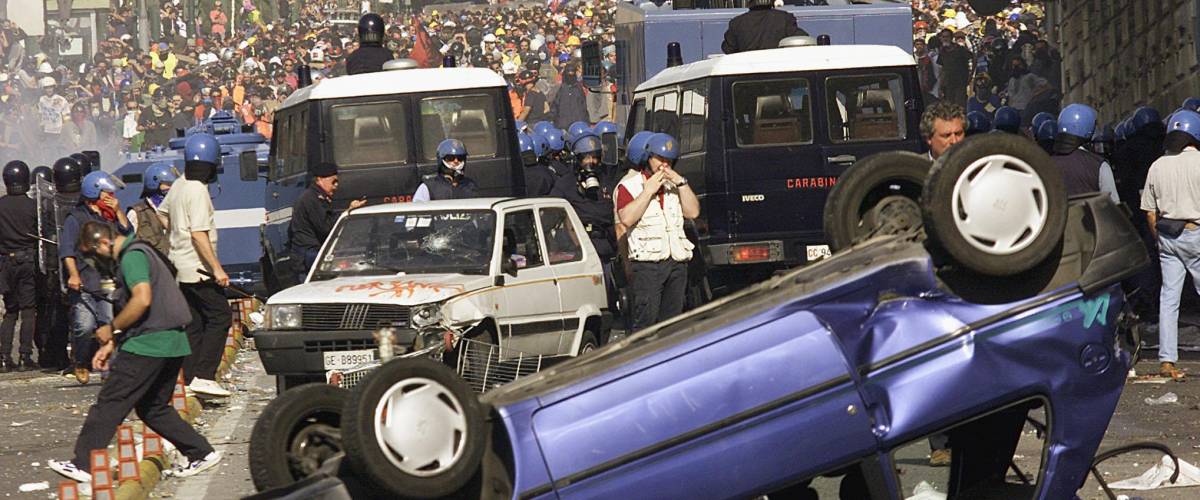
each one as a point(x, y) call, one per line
point(455, 158)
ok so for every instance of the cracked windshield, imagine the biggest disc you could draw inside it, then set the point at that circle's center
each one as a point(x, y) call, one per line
point(411, 243)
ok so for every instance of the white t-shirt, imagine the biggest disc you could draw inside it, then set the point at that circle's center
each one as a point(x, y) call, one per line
point(188, 208)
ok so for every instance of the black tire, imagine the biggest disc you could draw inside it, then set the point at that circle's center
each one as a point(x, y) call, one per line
point(589, 342)
point(370, 459)
point(295, 433)
point(881, 185)
point(1027, 180)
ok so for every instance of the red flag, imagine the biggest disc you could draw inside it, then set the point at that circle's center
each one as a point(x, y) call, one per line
point(422, 50)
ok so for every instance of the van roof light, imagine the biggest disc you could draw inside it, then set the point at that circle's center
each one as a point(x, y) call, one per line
point(400, 64)
point(798, 41)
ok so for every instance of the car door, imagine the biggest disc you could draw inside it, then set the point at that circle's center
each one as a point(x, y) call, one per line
point(868, 112)
point(580, 284)
point(532, 322)
point(777, 178)
point(730, 413)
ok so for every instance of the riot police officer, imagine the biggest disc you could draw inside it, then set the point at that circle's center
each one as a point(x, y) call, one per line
point(577, 130)
point(592, 202)
point(539, 179)
point(88, 283)
point(760, 28)
point(151, 226)
point(1044, 135)
point(371, 53)
point(313, 218)
point(555, 146)
point(1083, 171)
point(451, 181)
point(18, 256)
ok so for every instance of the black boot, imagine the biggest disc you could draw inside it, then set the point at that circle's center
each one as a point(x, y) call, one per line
point(6, 364)
point(27, 364)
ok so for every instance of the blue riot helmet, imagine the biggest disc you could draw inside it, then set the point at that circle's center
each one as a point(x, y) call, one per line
point(1007, 119)
point(635, 151)
point(554, 141)
point(1044, 135)
point(605, 127)
point(1191, 103)
point(95, 183)
point(1183, 129)
point(541, 146)
point(1078, 120)
point(1038, 120)
point(542, 127)
point(1143, 117)
point(16, 177)
point(452, 157)
point(201, 155)
point(576, 130)
point(156, 175)
point(978, 122)
point(663, 146)
point(528, 156)
point(1122, 130)
point(1102, 140)
point(588, 143)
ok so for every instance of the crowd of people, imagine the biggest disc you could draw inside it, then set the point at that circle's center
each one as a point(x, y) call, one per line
point(984, 62)
point(125, 99)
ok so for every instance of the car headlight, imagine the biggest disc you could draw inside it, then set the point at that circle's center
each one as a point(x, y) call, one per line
point(284, 316)
point(426, 315)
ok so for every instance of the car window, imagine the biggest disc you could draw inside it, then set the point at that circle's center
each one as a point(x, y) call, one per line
point(664, 111)
point(772, 112)
point(865, 108)
point(638, 112)
point(521, 239)
point(562, 244)
point(468, 118)
point(692, 112)
point(369, 134)
point(431, 242)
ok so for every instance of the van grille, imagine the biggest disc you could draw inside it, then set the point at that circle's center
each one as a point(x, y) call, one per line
point(352, 316)
point(338, 345)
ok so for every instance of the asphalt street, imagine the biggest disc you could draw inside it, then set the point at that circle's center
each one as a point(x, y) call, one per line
point(42, 413)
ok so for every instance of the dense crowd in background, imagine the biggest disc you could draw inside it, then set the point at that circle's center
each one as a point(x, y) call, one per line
point(984, 62)
point(125, 99)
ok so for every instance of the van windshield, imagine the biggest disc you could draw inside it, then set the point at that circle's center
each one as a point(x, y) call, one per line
point(412, 242)
point(468, 118)
point(369, 134)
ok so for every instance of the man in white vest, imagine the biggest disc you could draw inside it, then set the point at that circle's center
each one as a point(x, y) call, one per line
point(653, 205)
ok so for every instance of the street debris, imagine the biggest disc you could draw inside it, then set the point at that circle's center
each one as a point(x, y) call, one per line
point(28, 487)
point(926, 491)
point(21, 424)
point(1165, 399)
point(1159, 476)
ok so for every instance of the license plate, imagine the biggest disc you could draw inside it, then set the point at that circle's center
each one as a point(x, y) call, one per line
point(817, 252)
point(341, 360)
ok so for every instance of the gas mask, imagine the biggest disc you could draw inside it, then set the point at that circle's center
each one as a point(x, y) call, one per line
point(589, 179)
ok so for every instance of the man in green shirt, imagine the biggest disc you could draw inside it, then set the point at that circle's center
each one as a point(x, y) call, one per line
point(148, 330)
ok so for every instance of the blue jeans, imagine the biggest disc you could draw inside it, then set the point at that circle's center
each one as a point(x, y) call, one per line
point(87, 312)
point(1177, 257)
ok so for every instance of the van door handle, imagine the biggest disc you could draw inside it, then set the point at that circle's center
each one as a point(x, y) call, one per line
point(842, 159)
point(275, 194)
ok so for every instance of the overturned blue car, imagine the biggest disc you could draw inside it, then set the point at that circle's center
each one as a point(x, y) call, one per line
point(1004, 301)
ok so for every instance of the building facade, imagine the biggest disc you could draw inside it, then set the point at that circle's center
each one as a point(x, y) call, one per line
point(1121, 54)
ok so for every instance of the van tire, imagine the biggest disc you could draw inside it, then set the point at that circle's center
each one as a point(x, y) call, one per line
point(880, 182)
point(311, 413)
point(996, 204)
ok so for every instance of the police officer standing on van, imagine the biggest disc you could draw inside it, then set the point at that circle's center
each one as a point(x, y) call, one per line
point(18, 255)
point(451, 181)
point(371, 53)
point(313, 217)
point(653, 206)
point(760, 28)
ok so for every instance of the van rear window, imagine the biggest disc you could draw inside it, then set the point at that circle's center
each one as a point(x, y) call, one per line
point(469, 118)
point(772, 112)
point(369, 134)
point(865, 108)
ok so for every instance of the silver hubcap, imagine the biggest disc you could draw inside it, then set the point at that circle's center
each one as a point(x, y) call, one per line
point(421, 427)
point(1000, 204)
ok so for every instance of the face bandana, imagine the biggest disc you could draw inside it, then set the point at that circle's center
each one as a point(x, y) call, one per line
point(108, 213)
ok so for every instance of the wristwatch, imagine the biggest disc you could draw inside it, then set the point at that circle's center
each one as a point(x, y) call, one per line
point(681, 184)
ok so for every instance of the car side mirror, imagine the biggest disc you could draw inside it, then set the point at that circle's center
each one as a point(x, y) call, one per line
point(509, 266)
point(248, 165)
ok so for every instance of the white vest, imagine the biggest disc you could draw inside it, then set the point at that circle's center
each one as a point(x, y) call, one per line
point(659, 235)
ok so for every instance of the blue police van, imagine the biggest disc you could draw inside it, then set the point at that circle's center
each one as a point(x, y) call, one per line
point(766, 134)
point(382, 130)
point(237, 202)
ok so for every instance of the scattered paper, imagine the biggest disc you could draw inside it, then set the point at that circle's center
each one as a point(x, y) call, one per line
point(28, 487)
point(926, 491)
point(21, 424)
point(1165, 399)
point(1159, 476)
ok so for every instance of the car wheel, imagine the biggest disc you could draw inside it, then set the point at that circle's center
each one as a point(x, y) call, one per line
point(879, 194)
point(996, 204)
point(296, 433)
point(588, 343)
point(414, 429)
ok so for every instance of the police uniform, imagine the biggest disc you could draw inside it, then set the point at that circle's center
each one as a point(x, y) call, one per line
point(367, 59)
point(539, 179)
point(312, 220)
point(596, 215)
point(760, 28)
point(18, 257)
point(439, 187)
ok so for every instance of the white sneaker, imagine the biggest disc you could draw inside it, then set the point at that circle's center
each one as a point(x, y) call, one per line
point(70, 471)
point(208, 388)
point(197, 466)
